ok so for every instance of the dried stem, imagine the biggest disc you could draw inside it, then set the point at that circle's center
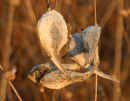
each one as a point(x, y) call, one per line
point(118, 52)
point(96, 68)
point(96, 87)
point(30, 11)
point(44, 94)
point(5, 75)
point(126, 63)
point(54, 95)
point(6, 51)
point(97, 58)
point(95, 13)
point(109, 12)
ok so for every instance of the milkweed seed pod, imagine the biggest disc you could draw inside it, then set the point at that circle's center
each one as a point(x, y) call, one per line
point(53, 35)
point(52, 32)
point(54, 79)
point(90, 38)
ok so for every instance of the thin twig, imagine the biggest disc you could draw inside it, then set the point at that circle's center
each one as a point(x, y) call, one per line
point(95, 12)
point(10, 83)
point(17, 94)
point(106, 76)
point(95, 19)
point(96, 87)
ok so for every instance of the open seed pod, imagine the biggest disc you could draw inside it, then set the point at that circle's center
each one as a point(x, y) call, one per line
point(52, 78)
point(91, 36)
point(52, 32)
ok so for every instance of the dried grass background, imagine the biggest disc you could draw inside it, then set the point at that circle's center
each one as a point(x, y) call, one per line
point(25, 49)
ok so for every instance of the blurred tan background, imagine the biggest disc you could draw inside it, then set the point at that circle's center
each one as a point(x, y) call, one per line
point(23, 49)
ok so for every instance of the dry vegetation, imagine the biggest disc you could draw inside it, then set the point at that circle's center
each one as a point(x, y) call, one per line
point(19, 47)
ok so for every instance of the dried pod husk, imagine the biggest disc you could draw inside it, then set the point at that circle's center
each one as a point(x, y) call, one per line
point(91, 36)
point(52, 32)
point(54, 79)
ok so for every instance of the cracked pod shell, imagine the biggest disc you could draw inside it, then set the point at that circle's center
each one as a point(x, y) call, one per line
point(52, 32)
